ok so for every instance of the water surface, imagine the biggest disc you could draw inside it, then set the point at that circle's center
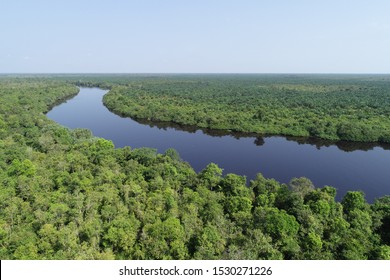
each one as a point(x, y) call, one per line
point(346, 166)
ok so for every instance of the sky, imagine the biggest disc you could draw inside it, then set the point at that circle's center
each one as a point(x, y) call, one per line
point(197, 36)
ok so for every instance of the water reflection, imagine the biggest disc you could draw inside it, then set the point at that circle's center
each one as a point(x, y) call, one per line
point(344, 165)
point(345, 146)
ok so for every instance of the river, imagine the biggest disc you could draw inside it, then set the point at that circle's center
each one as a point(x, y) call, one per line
point(345, 166)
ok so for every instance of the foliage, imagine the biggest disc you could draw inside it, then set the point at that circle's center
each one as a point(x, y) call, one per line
point(342, 107)
point(65, 194)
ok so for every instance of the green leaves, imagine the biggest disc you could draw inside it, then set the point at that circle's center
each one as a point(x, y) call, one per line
point(121, 236)
point(211, 176)
point(164, 240)
point(333, 108)
point(19, 168)
point(210, 244)
point(67, 195)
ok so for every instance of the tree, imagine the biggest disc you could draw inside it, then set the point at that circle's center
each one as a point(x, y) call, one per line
point(359, 239)
point(121, 236)
point(210, 244)
point(381, 217)
point(282, 227)
point(302, 186)
point(211, 176)
point(164, 240)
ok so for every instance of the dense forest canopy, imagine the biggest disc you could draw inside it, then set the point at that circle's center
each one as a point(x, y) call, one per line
point(353, 108)
point(65, 194)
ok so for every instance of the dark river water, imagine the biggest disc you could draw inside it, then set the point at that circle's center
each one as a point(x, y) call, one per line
point(346, 166)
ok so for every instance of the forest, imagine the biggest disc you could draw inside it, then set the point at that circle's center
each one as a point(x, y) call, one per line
point(65, 194)
point(331, 107)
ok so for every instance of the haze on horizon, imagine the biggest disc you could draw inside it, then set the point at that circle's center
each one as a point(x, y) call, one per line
point(220, 36)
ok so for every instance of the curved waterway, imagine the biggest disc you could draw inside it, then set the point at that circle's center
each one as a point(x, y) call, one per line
point(346, 166)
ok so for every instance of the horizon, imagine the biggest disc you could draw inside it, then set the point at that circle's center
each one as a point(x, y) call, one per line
point(189, 73)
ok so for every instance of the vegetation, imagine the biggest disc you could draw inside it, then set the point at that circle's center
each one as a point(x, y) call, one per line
point(353, 108)
point(65, 194)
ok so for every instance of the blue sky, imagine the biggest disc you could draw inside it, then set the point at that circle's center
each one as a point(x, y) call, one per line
point(172, 36)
